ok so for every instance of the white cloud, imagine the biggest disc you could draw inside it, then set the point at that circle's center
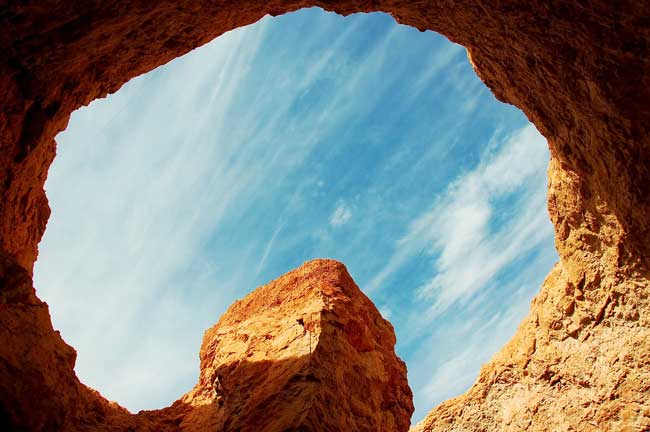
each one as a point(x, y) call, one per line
point(469, 239)
point(340, 216)
point(459, 231)
point(469, 252)
point(145, 177)
point(449, 359)
point(136, 189)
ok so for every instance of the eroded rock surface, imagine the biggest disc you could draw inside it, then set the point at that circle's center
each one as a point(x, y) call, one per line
point(578, 362)
point(307, 352)
point(579, 70)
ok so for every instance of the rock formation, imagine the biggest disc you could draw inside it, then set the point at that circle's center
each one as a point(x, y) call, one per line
point(579, 70)
point(307, 352)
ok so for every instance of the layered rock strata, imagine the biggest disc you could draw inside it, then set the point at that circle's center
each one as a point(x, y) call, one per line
point(579, 70)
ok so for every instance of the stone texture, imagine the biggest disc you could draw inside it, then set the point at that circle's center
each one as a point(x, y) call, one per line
point(576, 363)
point(579, 70)
point(309, 351)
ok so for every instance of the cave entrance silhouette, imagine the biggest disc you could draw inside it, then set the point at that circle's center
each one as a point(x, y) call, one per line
point(580, 73)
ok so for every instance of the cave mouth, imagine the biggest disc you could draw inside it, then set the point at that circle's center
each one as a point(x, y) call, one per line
point(197, 195)
point(579, 73)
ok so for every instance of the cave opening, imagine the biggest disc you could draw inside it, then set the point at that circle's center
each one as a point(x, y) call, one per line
point(301, 136)
point(579, 72)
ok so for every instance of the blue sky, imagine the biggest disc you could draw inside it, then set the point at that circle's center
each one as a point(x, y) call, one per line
point(302, 136)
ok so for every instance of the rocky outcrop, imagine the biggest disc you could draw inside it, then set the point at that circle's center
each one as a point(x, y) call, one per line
point(576, 363)
point(579, 70)
point(307, 352)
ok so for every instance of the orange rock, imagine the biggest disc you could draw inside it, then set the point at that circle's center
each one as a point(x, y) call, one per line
point(579, 70)
point(285, 361)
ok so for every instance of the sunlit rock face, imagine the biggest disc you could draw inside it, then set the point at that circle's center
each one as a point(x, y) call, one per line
point(577, 363)
point(579, 70)
point(307, 352)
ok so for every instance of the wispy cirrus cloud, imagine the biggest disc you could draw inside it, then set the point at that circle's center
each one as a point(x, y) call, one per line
point(469, 250)
point(151, 186)
point(135, 191)
point(463, 232)
point(448, 358)
point(478, 237)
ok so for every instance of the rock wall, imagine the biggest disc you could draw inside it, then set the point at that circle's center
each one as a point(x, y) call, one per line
point(579, 70)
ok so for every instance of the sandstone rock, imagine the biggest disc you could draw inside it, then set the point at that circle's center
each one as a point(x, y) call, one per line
point(579, 70)
point(287, 360)
point(559, 374)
